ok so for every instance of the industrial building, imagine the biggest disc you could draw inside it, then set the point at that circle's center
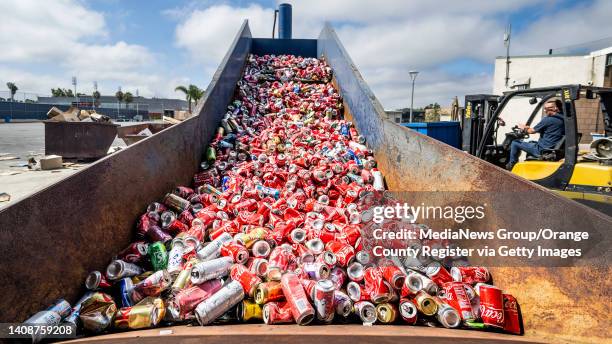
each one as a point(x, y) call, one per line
point(593, 68)
point(140, 108)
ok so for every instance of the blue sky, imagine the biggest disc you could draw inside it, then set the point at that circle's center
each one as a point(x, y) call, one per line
point(153, 46)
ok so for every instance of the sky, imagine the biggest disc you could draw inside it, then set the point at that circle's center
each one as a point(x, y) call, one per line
point(153, 46)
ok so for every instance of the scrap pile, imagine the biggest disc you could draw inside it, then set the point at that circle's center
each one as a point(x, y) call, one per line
point(271, 230)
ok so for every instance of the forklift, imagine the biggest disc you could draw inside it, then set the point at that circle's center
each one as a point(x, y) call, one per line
point(586, 178)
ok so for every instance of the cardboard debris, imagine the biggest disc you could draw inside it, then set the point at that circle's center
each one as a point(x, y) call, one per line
point(51, 162)
point(84, 114)
point(145, 132)
point(73, 114)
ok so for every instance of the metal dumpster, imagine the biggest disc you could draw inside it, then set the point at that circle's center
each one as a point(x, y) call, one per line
point(79, 140)
point(50, 241)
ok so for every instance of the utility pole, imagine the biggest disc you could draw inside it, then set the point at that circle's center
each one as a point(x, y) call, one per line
point(74, 83)
point(507, 36)
point(413, 75)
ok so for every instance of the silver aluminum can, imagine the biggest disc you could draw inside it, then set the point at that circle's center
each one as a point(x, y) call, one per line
point(219, 303)
point(211, 269)
point(175, 257)
point(213, 249)
point(119, 269)
point(448, 316)
point(343, 303)
point(366, 311)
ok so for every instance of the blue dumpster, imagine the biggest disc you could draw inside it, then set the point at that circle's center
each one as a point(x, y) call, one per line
point(447, 132)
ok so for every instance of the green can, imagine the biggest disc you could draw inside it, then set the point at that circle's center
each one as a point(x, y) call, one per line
point(158, 255)
point(211, 155)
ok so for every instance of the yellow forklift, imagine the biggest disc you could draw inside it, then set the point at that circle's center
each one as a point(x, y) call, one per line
point(586, 178)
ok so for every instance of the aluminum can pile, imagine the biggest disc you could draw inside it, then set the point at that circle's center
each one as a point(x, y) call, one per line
point(272, 229)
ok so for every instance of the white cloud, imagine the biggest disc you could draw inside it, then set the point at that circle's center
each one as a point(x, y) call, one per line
point(63, 38)
point(41, 30)
point(207, 34)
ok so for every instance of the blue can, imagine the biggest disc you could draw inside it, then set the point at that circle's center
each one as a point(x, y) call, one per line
point(125, 289)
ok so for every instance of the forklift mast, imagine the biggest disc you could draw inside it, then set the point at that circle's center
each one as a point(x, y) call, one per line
point(478, 111)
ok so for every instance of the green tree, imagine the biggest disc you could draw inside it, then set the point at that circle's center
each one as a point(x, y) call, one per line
point(96, 97)
point(68, 93)
point(119, 95)
point(191, 92)
point(12, 88)
point(128, 98)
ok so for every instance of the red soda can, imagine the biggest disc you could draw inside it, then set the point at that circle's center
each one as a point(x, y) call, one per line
point(238, 252)
point(134, 253)
point(357, 292)
point(277, 313)
point(491, 306)
point(456, 297)
point(408, 311)
point(512, 318)
point(96, 280)
point(301, 309)
point(375, 285)
point(176, 227)
point(327, 258)
point(438, 273)
point(323, 299)
point(470, 274)
point(393, 275)
point(207, 217)
point(247, 279)
point(309, 286)
point(187, 299)
point(258, 266)
point(344, 252)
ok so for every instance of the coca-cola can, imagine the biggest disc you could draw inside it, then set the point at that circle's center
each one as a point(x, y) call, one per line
point(324, 301)
point(238, 252)
point(470, 274)
point(302, 311)
point(247, 279)
point(512, 316)
point(375, 286)
point(492, 306)
point(438, 273)
point(277, 313)
point(344, 252)
point(455, 295)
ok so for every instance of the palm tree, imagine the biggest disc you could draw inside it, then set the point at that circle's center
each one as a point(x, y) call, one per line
point(196, 93)
point(185, 90)
point(96, 97)
point(119, 96)
point(127, 98)
point(192, 92)
point(12, 88)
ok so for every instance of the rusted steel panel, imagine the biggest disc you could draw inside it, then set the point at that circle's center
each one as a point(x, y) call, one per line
point(52, 239)
point(294, 334)
point(414, 162)
point(79, 140)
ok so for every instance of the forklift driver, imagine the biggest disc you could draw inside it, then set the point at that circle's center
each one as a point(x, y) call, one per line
point(551, 129)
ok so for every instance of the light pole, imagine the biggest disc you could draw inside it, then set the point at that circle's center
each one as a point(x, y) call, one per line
point(413, 75)
point(74, 83)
